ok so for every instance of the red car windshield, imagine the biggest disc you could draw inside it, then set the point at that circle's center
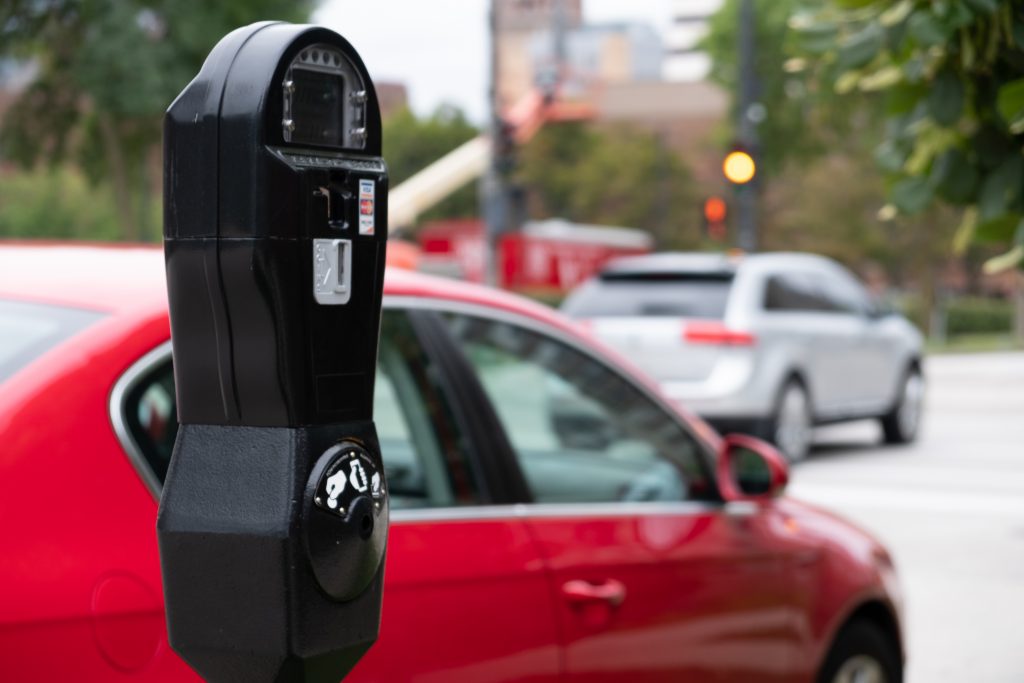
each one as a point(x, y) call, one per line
point(28, 330)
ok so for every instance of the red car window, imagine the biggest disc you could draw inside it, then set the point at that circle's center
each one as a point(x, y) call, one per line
point(424, 452)
point(581, 432)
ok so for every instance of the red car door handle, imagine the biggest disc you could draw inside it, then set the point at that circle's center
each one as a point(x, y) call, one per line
point(610, 591)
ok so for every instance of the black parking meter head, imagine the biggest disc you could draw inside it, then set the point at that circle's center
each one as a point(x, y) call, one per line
point(274, 181)
point(273, 520)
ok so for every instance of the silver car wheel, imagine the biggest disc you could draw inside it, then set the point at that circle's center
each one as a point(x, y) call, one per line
point(793, 429)
point(909, 415)
point(861, 669)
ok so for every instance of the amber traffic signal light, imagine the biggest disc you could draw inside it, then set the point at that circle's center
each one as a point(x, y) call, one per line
point(739, 167)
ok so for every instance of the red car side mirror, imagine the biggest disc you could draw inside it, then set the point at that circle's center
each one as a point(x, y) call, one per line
point(750, 469)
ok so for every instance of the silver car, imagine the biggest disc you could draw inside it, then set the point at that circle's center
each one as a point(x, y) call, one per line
point(769, 344)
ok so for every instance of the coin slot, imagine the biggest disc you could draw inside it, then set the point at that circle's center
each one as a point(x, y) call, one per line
point(338, 206)
point(332, 271)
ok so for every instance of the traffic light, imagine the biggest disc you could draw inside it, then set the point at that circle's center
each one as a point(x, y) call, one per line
point(715, 213)
point(505, 147)
point(739, 166)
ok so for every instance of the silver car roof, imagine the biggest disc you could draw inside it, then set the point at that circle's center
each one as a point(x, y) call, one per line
point(672, 262)
point(705, 262)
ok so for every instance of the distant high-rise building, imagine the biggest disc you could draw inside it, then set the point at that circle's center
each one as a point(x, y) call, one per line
point(686, 61)
point(518, 21)
point(600, 54)
point(529, 33)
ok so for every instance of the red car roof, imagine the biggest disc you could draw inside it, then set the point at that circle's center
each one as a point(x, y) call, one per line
point(94, 276)
point(123, 277)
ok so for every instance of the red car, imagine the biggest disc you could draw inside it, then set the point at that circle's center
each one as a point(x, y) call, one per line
point(554, 518)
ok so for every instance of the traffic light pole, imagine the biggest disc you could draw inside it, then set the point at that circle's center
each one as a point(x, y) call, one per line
point(750, 113)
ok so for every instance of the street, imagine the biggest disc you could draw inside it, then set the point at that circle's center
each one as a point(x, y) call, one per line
point(951, 510)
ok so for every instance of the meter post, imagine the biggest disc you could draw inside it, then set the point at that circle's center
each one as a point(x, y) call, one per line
point(273, 520)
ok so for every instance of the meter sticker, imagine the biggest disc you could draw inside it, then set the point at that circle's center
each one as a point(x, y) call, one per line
point(366, 207)
point(350, 475)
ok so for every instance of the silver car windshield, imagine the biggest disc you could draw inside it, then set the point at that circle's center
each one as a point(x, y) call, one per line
point(28, 330)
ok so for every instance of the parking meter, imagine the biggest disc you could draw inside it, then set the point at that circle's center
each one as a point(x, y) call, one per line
point(273, 519)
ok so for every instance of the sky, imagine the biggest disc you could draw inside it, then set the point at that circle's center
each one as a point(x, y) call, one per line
point(439, 48)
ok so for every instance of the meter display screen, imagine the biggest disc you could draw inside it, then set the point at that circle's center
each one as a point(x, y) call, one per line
point(317, 109)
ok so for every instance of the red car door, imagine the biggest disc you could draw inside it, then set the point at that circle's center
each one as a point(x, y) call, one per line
point(651, 593)
point(653, 578)
point(466, 601)
point(466, 594)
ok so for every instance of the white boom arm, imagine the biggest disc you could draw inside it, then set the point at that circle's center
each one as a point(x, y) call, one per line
point(438, 180)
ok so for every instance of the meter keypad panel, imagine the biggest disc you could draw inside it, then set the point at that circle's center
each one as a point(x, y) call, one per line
point(345, 528)
point(350, 474)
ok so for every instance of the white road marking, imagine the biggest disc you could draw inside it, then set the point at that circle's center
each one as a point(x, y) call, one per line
point(941, 502)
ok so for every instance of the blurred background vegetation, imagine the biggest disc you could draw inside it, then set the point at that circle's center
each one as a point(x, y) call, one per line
point(104, 75)
point(892, 139)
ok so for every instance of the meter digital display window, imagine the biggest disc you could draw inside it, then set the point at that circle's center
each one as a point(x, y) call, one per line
point(324, 100)
point(318, 113)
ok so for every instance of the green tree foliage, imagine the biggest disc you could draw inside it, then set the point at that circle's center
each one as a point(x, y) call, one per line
point(802, 118)
point(107, 70)
point(784, 97)
point(411, 144)
point(610, 176)
point(56, 202)
point(828, 205)
point(823, 189)
point(953, 74)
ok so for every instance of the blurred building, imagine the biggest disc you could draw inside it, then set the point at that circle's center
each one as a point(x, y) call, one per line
point(625, 71)
point(391, 96)
point(517, 23)
point(597, 55)
point(531, 34)
point(686, 61)
point(8, 91)
point(529, 15)
point(15, 76)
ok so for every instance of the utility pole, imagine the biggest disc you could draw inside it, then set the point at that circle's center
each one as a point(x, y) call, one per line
point(751, 113)
point(493, 194)
point(560, 26)
point(501, 200)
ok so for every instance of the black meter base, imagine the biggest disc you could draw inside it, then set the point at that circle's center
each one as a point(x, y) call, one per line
point(246, 550)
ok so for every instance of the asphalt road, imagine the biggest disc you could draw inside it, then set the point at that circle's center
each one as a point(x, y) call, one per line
point(951, 510)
